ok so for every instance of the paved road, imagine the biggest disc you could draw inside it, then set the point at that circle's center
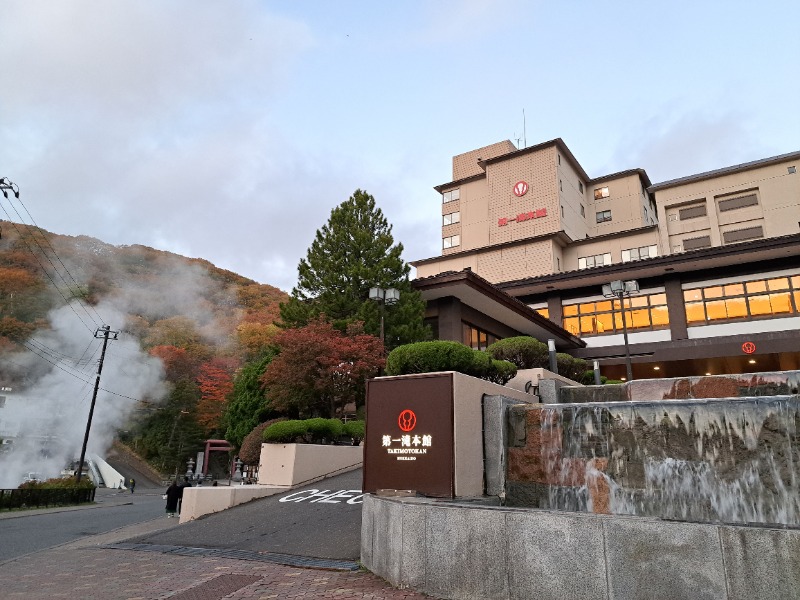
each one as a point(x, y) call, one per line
point(98, 566)
point(22, 533)
point(303, 522)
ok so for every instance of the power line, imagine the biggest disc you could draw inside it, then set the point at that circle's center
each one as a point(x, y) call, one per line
point(53, 250)
point(44, 270)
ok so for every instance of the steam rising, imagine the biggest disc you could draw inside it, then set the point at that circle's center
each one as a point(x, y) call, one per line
point(47, 419)
point(45, 416)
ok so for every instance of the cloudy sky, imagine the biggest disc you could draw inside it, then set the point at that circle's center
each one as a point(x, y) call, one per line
point(229, 130)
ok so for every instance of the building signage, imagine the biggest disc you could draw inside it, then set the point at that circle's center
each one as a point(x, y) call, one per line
point(526, 216)
point(748, 347)
point(409, 436)
point(520, 189)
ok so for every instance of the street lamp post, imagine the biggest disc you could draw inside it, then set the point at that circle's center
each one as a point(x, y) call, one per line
point(620, 289)
point(384, 296)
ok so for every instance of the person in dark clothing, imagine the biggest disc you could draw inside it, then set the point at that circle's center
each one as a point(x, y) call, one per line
point(132, 484)
point(186, 483)
point(173, 495)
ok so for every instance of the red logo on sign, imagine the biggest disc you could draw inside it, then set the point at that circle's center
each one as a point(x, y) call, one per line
point(407, 420)
point(520, 189)
point(748, 347)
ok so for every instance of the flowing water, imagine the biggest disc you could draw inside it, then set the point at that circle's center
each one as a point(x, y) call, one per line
point(725, 460)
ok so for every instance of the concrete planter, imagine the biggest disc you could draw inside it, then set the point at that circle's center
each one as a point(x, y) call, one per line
point(287, 465)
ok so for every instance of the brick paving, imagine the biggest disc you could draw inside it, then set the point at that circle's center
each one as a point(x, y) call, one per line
point(89, 573)
point(87, 569)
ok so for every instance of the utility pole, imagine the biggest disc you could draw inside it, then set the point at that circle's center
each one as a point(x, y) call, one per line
point(105, 333)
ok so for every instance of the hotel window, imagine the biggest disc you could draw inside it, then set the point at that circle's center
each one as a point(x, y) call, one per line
point(601, 193)
point(791, 170)
point(580, 187)
point(560, 185)
point(740, 235)
point(697, 243)
point(639, 253)
point(598, 260)
point(450, 196)
point(451, 241)
point(735, 203)
point(645, 312)
point(583, 211)
point(603, 216)
point(692, 212)
point(760, 298)
point(477, 338)
point(450, 218)
point(545, 312)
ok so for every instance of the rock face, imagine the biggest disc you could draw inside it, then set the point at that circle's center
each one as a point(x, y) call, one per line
point(731, 460)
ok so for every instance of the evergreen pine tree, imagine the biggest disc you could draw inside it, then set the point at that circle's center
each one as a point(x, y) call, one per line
point(351, 253)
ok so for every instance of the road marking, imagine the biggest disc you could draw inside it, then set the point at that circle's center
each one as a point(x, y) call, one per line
point(325, 496)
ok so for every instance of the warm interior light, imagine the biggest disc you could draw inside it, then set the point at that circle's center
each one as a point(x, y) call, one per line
point(656, 368)
point(708, 373)
point(623, 378)
point(752, 361)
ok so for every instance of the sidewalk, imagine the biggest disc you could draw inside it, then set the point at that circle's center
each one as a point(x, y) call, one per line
point(88, 569)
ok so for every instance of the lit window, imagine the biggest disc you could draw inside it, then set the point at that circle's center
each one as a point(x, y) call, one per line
point(601, 193)
point(451, 241)
point(545, 312)
point(450, 218)
point(645, 312)
point(477, 338)
point(760, 298)
point(603, 216)
point(450, 196)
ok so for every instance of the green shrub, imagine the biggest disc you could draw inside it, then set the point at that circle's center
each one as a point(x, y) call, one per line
point(356, 430)
point(524, 351)
point(571, 367)
point(324, 430)
point(429, 357)
point(286, 432)
point(66, 483)
point(496, 371)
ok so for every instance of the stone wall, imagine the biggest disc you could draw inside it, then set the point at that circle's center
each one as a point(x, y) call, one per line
point(728, 460)
point(686, 388)
point(463, 552)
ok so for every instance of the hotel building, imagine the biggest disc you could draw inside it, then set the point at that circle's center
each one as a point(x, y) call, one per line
point(529, 239)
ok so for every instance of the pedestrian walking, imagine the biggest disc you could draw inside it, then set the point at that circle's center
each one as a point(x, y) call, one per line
point(132, 484)
point(121, 485)
point(186, 483)
point(172, 496)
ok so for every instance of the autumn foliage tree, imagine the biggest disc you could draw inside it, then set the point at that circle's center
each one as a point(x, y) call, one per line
point(320, 369)
point(215, 382)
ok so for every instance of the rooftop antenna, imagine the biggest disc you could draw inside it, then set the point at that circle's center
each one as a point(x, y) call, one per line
point(517, 140)
point(524, 131)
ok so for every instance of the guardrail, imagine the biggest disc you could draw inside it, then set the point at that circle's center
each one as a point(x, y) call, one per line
point(43, 498)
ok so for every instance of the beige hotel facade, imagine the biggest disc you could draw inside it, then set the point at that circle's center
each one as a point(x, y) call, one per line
point(529, 239)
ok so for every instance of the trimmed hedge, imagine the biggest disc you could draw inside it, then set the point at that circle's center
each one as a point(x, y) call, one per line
point(429, 357)
point(529, 353)
point(355, 430)
point(286, 432)
point(313, 431)
point(524, 351)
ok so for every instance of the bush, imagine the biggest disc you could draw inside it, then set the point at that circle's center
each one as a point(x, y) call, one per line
point(250, 452)
point(63, 483)
point(523, 351)
point(324, 430)
point(429, 357)
point(570, 367)
point(356, 430)
point(286, 432)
